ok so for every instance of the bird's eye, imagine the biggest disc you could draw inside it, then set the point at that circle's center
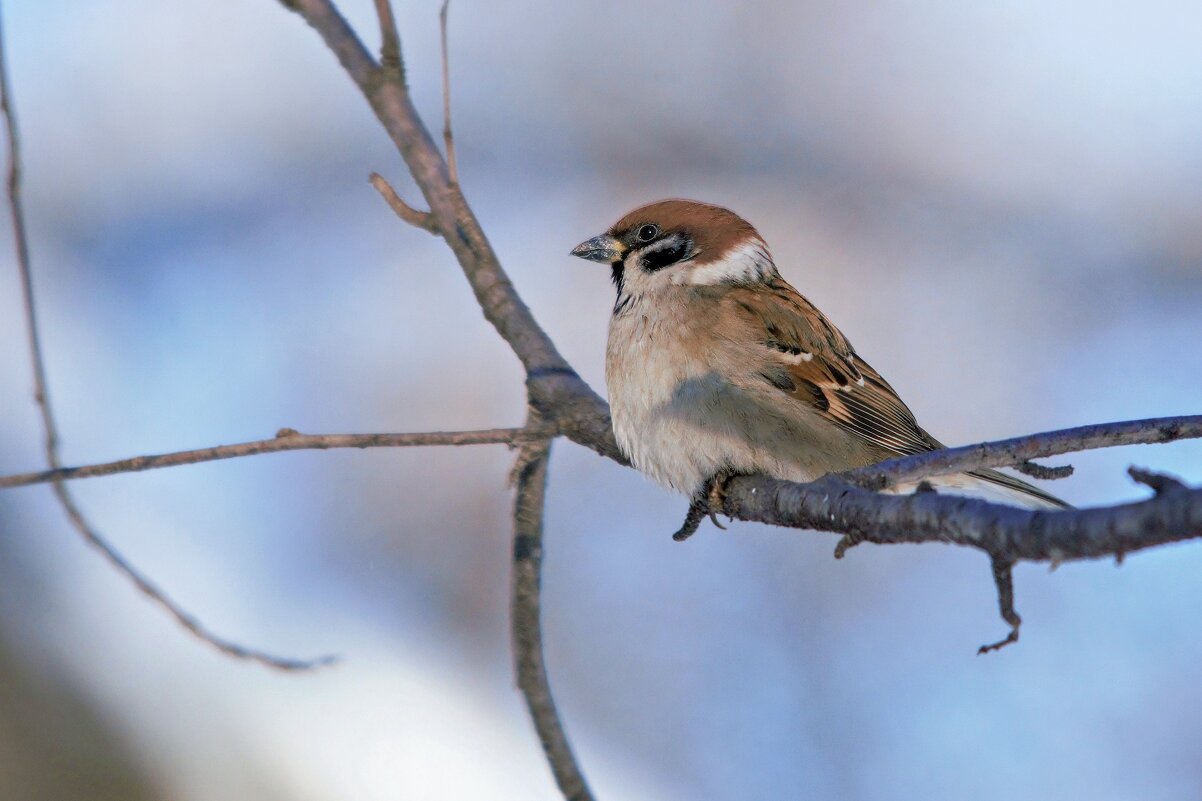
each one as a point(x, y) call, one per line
point(647, 233)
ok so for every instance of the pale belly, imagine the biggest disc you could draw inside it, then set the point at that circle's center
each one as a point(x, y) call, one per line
point(682, 418)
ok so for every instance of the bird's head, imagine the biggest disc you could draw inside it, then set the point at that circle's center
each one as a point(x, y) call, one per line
point(679, 242)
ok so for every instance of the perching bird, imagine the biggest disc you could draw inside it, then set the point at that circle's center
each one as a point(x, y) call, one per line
point(716, 366)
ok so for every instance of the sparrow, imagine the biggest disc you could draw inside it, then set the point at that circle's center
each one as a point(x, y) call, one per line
point(716, 366)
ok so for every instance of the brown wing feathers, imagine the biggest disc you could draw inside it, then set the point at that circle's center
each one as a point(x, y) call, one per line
point(826, 373)
point(820, 368)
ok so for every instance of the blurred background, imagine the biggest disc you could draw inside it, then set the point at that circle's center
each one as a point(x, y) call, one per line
point(1000, 204)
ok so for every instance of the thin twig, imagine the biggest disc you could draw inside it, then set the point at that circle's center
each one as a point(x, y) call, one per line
point(1003, 579)
point(846, 543)
point(286, 440)
point(525, 611)
point(551, 379)
point(20, 239)
point(1160, 483)
point(1016, 450)
point(50, 429)
point(390, 40)
point(448, 140)
point(1043, 471)
point(418, 219)
point(181, 615)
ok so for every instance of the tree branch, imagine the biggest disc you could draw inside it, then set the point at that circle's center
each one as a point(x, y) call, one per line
point(832, 503)
point(286, 439)
point(390, 100)
point(525, 603)
point(182, 616)
point(447, 138)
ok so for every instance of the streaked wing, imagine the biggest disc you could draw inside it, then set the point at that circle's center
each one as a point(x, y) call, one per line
point(814, 363)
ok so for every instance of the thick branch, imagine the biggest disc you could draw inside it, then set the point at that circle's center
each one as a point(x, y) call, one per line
point(834, 504)
point(286, 440)
point(531, 481)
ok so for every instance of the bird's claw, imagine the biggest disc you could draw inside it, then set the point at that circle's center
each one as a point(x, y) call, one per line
point(707, 502)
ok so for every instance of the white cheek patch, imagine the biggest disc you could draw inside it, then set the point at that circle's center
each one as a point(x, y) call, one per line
point(748, 263)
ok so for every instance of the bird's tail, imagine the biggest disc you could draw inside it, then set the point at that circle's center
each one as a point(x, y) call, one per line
point(990, 485)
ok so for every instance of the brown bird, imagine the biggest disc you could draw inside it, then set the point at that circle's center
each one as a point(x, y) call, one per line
point(716, 366)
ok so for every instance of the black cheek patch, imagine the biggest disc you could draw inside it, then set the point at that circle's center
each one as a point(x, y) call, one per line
point(658, 259)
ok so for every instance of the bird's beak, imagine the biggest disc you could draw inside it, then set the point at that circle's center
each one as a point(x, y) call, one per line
point(603, 248)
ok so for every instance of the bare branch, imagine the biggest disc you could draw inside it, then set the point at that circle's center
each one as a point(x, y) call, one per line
point(286, 439)
point(416, 218)
point(525, 604)
point(50, 429)
point(325, 18)
point(550, 378)
point(1016, 450)
point(447, 139)
point(21, 241)
point(181, 615)
point(834, 504)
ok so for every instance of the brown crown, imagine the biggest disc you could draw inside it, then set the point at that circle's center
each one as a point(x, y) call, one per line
point(715, 231)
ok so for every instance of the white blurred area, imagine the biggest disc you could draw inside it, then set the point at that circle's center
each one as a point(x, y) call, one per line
point(998, 203)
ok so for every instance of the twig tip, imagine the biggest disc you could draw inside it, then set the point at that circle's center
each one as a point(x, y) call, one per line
point(1044, 472)
point(1160, 483)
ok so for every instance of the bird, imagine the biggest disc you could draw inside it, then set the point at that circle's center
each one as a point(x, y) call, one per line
point(716, 366)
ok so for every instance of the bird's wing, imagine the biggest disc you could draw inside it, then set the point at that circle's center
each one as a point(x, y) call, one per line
point(811, 361)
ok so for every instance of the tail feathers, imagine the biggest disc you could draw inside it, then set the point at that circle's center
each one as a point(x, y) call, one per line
point(990, 485)
point(1035, 497)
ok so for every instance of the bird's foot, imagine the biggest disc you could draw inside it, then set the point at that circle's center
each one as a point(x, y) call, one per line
point(706, 502)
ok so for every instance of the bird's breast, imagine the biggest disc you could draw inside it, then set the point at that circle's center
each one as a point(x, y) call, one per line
point(677, 414)
point(689, 401)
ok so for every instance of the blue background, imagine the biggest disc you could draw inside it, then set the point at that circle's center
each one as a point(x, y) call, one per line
point(998, 203)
